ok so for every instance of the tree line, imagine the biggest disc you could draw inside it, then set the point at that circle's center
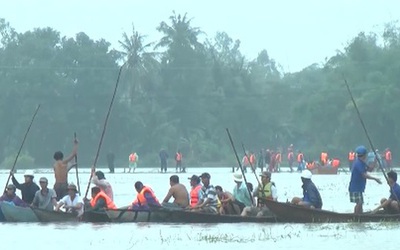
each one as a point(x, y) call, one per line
point(180, 93)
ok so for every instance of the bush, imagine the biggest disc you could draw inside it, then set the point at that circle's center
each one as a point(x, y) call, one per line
point(25, 161)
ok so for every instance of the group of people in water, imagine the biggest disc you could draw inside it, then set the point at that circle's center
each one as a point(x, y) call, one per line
point(203, 197)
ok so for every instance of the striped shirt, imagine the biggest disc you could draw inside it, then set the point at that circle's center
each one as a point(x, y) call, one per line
point(211, 194)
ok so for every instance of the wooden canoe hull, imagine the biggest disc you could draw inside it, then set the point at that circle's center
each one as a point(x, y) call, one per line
point(53, 216)
point(286, 212)
point(91, 216)
point(324, 170)
point(14, 213)
point(180, 216)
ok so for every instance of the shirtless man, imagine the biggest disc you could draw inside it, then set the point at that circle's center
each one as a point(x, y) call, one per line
point(179, 192)
point(61, 170)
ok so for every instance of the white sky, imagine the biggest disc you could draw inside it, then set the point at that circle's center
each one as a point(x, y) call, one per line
point(295, 33)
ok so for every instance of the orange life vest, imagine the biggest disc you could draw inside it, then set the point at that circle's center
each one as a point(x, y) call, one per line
point(335, 163)
point(252, 159)
point(324, 158)
point(110, 204)
point(194, 195)
point(132, 157)
point(141, 199)
point(352, 156)
point(300, 157)
point(310, 165)
point(388, 156)
point(278, 158)
point(178, 157)
point(245, 161)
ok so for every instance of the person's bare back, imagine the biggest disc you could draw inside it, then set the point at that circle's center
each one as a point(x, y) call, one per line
point(61, 171)
point(180, 194)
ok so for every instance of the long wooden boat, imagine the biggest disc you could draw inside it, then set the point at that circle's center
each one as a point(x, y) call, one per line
point(324, 170)
point(53, 216)
point(180, 216)
point(14, 213)
point(286, 212)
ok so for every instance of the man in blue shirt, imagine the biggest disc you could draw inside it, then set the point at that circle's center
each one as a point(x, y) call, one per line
point(359, 178)
point(391, 205)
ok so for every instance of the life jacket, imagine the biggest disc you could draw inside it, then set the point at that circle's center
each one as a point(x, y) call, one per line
point(178, 157)
point(352, 156)
point(132, 157)
point(265, 193)
point(141, 199)
point(194, 195)
point(388, 156)
point(110, 204)
point(324, 158)
point(300, 157)
point(252, 159)
point(245, 161)
point(335, 163)
point(278, 158)
point(310, 165)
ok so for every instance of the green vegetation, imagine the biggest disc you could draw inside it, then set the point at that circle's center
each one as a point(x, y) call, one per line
point(180, 93)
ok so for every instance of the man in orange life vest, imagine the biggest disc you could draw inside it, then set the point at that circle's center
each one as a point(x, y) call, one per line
point(290, 158)
point(324, 158)
point(133, 159)
point(246, 161)
point(145, 198)
point(100, 200)
point(178, 159)
point(351, 158)
point(388, 159)
point(196, 193)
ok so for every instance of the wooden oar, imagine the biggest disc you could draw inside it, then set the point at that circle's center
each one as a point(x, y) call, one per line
point(104, 129)
point(76, 169)
point(20, 148)
point(367, 135)
point(240, 166)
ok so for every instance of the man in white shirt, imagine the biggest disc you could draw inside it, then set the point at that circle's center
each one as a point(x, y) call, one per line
point(72, 202)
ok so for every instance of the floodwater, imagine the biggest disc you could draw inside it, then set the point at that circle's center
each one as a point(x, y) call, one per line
point(108, 236)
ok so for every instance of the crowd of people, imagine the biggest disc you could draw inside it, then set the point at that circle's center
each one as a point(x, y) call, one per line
point(203, 197)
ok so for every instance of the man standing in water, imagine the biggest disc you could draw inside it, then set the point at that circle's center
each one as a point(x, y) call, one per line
point(359, 178)
point(61, 170)
point(163, 159)
point(110, 161)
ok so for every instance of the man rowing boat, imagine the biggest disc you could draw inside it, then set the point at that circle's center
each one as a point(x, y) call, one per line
point(61, 170)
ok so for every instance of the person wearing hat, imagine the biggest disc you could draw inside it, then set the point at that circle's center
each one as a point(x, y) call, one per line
point(45, 198)
point(100, 181)
point(10, 196)
point(28, 188)
point(311, 196)
point(358, 179)
point(72, 202)
point(196, 192)
point(178, 192)
point(266, 191)
point(241, 195)
point(391, 205)
point(61, 170)
point(208, 204)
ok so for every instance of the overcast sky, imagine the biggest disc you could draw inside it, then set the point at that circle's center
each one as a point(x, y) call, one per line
point(295, 33)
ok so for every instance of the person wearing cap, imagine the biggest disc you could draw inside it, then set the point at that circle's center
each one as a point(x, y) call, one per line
point(311, 196)
point(391, 205)
point(208, 204)
point(196, 192)
point(178, 192)
point(241, 194)
point(100, 181)
point(28, 188)
point(358, 179)
point(45, 198)
point(72, 202)
point(61, 170)
point(10, 196)
point(145, 198)
point(266, 191)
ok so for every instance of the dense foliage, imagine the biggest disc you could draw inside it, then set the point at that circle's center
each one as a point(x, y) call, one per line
point(180, 93)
